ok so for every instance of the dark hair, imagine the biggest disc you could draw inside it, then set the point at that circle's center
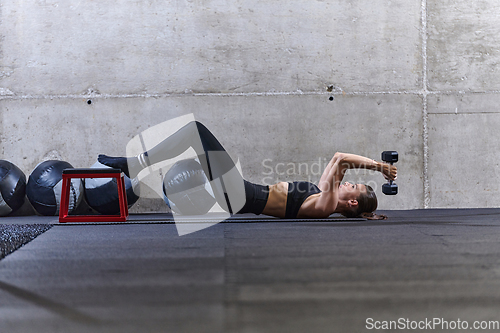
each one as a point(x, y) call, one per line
point(367, 203)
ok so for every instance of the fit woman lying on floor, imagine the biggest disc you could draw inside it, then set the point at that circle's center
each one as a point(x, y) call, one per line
point(285, 200)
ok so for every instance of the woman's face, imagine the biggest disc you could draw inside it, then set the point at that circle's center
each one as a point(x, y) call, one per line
point(348, 191)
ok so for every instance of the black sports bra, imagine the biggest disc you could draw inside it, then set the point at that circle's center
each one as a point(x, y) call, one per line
point(298, 192)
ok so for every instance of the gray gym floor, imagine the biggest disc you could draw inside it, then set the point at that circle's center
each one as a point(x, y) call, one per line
point(254, 275)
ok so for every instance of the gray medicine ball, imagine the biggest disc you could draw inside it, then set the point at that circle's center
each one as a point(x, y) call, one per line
point(186, 188)
point(102, 193)
point(45, 185)
point(12, 188)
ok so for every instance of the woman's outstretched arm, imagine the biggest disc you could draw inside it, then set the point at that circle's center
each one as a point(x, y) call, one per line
point(343, 161)
point(352, 161)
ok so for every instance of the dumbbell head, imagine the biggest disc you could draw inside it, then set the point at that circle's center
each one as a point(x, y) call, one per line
point(390, 188)
point(390, 156)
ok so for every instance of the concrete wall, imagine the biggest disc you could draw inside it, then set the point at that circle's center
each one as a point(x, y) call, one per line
point(417, 76)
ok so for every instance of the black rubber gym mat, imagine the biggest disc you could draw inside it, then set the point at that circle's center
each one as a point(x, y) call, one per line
point(160, 218)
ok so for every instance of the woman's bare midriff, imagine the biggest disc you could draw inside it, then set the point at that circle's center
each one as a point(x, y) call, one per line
point(276, 202)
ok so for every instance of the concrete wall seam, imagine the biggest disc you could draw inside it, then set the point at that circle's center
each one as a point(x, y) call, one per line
point(425, 115)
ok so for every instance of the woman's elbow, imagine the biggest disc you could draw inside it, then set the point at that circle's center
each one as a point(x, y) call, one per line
point(338, 156)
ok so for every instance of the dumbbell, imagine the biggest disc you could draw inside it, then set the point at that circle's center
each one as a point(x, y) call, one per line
point(390, 157)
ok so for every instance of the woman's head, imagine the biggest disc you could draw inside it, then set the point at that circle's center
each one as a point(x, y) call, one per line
point(360, 199)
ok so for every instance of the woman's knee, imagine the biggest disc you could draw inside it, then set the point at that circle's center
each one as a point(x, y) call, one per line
point(202, 129)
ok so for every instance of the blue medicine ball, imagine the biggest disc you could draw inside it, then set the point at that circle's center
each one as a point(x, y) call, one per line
point(45, 185)
point(12, 188)
point(101, 194)
point(187, 190)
